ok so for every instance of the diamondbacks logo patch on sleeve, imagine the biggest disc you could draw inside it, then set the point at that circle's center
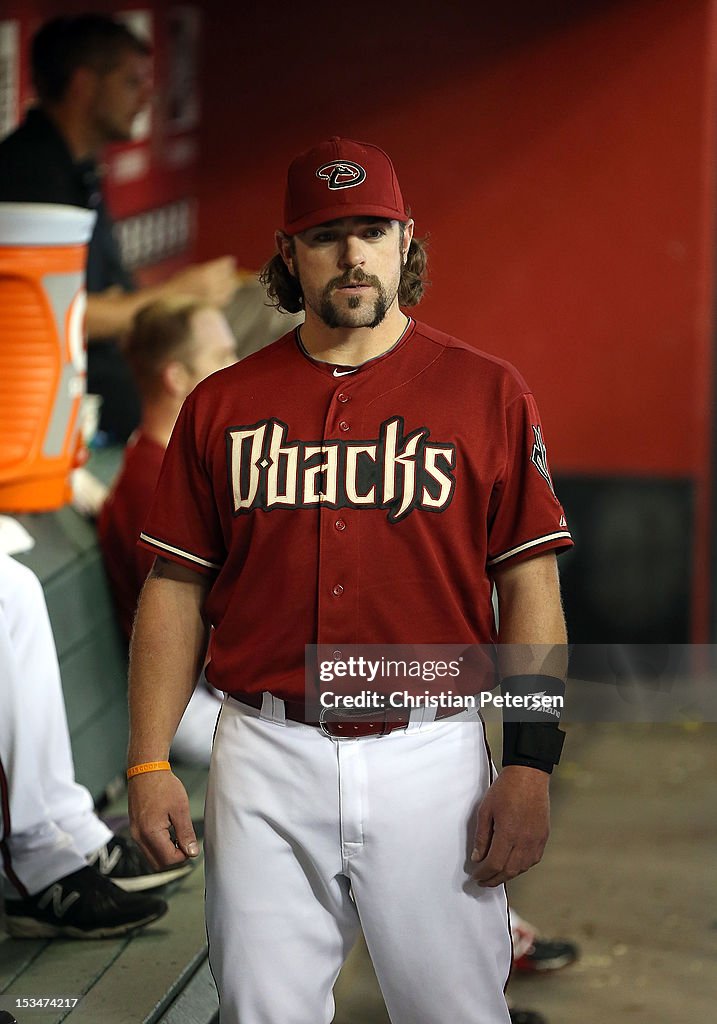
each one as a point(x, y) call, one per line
point(539, 456)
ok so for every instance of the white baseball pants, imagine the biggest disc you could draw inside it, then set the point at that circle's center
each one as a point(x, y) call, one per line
point(309, 838)
point(47, 820)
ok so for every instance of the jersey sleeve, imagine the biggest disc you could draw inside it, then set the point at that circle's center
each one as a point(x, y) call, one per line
point(183, 523)
point(526, 518)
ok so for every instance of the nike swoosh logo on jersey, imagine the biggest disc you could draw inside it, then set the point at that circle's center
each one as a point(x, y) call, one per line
point(343, 373)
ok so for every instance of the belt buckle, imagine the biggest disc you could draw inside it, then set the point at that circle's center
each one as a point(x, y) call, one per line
point(345, 717)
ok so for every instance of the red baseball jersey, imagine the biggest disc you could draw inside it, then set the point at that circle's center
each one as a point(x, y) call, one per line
point(365, 506)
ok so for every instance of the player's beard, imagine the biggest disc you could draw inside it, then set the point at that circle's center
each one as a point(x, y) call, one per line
point(373, 314)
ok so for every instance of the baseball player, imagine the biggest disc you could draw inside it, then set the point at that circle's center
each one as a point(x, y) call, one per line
point(366, 479)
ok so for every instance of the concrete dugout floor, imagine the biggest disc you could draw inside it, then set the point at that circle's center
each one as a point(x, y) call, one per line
point(630, 873)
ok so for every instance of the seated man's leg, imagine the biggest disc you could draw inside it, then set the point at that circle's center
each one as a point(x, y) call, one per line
point(35, 851)
point(279, 915)
point(41, 707)
point(52, 890)
point(40, 725)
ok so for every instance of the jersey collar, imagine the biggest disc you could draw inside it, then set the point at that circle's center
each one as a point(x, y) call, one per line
point(339, 370)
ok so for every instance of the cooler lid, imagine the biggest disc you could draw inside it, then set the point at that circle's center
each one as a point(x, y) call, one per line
point(45, 224)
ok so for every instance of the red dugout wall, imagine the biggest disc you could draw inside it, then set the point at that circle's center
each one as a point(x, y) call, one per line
point(562, 167)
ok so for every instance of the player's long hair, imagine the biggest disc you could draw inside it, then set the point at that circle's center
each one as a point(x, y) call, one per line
point(284, 290)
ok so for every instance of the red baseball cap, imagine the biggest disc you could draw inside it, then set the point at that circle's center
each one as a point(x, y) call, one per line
point(341, 178)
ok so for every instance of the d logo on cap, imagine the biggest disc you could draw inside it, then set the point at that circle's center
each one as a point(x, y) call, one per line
point(342, 174)
point(322, 185)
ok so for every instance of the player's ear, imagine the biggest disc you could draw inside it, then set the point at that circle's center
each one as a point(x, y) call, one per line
point(406, 240)
point(175, 378)
point(285, 246)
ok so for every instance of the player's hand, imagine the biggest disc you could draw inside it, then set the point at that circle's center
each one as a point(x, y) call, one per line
point(159, 812)
point(214, 282)
point(513, 825)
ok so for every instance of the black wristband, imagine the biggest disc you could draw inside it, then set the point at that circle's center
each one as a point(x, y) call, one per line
point(532, 744)
point(531, 736)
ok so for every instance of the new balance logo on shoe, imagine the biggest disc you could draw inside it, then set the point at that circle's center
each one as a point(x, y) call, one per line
point(54, 895)
point(106, 859)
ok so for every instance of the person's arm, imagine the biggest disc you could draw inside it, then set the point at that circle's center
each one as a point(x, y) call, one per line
point(514, 816)
point(167, 652)
point(110, 313)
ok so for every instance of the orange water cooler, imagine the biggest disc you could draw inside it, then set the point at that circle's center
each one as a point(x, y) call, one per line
point(43, 250)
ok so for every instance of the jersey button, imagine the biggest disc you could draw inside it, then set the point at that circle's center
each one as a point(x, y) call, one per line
point(340, 525)
point(343, 425)
point(338, 590)
point(342, 397)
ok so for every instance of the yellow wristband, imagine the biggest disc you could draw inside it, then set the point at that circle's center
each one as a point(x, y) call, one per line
point(149, 766)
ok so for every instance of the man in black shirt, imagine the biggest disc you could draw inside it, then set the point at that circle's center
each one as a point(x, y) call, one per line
point(91, 76)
